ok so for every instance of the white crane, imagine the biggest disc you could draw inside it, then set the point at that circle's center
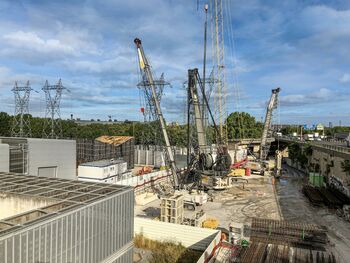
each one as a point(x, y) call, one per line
point(264, 146)
point(147, 74)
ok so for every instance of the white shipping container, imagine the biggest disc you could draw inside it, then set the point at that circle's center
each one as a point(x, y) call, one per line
point(91, 172)
point(123, 167)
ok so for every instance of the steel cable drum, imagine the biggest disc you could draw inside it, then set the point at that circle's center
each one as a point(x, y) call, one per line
point(223, 162)
point(206, 161)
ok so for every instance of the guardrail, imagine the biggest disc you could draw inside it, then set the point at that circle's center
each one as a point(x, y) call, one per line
point(319, 144)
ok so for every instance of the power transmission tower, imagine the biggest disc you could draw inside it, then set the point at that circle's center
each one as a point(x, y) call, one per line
point(150, 108)
point(52, 124)
point(21, 119)
point(217, 27)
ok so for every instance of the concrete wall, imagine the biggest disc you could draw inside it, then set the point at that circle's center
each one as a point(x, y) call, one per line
point(192, 237)
point(50, 153)
point(4, 158)
point(330, 165)
point(15, 204)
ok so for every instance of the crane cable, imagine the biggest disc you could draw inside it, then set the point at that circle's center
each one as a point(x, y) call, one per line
point(232, 54)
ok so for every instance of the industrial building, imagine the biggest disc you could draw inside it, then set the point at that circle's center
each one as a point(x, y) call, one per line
point(40, 157)
point(58, 220)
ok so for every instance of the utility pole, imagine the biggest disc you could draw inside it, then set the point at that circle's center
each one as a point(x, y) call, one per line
point(21, 122)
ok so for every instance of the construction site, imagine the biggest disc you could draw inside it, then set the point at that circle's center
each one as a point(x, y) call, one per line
point(133, 194)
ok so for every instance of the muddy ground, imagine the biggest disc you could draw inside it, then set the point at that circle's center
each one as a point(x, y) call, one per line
point(296, 207)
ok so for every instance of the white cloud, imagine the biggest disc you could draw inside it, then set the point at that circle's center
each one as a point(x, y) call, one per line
point(323, 95)
point(345, 78)
point(32, 42)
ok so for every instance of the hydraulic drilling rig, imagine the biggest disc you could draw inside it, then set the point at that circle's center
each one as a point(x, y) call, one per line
point(202, 162)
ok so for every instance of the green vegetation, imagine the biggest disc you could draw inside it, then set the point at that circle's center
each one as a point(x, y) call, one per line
point(242, 125)
point(166, 252)
point(239, 125)
point(299, 155)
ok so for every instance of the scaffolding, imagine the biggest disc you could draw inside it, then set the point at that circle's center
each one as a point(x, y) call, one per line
point(92, 150)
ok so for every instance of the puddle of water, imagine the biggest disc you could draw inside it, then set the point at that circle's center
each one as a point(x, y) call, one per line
point(283, 182)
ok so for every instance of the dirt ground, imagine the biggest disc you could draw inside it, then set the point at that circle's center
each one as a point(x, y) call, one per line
point(255, 199)
point(259, 198)
point(295, 206)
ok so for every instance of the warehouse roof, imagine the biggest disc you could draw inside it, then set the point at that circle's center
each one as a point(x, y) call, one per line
point(114, 140)
point(62, 195)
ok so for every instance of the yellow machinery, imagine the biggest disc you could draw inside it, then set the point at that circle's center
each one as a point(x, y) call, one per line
point(237, 172)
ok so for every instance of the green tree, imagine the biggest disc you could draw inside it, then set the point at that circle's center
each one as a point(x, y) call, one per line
point(241, 125)
point(5, 124)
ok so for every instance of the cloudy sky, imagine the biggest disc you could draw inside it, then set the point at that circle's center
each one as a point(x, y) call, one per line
point(300, 46)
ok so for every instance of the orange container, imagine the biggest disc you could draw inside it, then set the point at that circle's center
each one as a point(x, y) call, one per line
point(247, 171)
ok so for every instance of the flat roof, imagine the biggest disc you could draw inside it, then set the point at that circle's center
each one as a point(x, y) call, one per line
point(65, 195)
point(102, 163)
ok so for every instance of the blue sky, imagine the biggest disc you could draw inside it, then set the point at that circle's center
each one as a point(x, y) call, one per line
point(300, 46)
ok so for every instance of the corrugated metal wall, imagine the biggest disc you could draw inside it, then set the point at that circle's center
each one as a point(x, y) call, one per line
point(88, 235)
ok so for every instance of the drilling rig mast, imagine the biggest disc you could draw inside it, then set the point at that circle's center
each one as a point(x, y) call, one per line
point(148, 77)
point(264, 146)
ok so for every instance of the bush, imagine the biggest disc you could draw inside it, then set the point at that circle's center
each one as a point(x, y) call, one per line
point(166, 252)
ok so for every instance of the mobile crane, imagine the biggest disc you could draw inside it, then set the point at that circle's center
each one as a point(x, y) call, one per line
point(148, 77)
point(264, 146)
point(259, 165)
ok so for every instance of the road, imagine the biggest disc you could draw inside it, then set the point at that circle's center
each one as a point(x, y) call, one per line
point(294, 206)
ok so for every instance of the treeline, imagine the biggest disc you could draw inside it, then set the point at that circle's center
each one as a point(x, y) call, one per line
point(239, 125)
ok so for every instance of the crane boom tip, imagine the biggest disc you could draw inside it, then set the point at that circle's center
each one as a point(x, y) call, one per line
point(137, 41)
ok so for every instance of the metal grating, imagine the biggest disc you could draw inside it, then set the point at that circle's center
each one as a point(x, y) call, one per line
point(68, 194)
point(90, 222)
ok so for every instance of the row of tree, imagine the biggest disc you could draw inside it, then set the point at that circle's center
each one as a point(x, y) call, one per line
point(238, 125)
